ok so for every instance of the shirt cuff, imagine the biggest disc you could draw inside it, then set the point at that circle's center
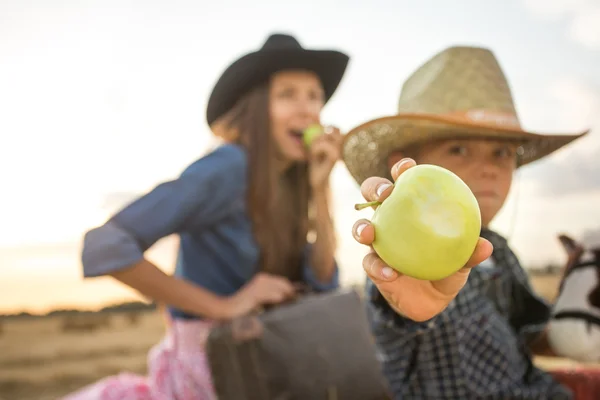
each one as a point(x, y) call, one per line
point(107, 249)
point(317, 285)
point(382, 315)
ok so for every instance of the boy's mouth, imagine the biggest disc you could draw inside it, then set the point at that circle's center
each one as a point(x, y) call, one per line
point(486, 193)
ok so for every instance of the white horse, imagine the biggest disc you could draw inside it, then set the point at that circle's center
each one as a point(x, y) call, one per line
point(574, 329)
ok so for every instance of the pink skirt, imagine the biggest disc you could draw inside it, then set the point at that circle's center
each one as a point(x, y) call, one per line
point(177, 370)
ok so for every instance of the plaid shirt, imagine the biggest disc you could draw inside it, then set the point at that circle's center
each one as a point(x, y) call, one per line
point(476, 348)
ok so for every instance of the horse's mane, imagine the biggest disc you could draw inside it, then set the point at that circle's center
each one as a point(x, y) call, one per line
point(575, 252)
point(594, 297)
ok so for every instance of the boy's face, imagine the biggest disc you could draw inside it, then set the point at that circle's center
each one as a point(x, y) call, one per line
point(486, 166)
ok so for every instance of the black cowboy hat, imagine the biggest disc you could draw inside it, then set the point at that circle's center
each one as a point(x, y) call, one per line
point(279, 52)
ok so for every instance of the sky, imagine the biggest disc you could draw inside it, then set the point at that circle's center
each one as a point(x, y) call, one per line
point(102, 100)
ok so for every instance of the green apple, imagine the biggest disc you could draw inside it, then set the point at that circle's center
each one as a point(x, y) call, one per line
point(311, 133)
point(429, 225)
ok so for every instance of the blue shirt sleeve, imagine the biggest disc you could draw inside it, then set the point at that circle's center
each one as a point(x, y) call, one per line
point(204, 193)
point(309, 276)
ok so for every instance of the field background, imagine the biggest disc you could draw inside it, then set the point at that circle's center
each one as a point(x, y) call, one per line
point(43, 358)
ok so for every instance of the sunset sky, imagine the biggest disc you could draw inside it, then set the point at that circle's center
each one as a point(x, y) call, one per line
point(102, 100)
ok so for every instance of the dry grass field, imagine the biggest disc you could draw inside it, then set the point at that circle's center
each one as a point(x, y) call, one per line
point(45, 358)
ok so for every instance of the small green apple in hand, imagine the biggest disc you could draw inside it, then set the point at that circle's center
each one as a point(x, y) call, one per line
point(421, 298)
point(311, 133)
point(436, 215)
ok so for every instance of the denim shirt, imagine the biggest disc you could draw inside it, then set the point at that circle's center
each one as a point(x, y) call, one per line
point(477, 347)
point(206, 207)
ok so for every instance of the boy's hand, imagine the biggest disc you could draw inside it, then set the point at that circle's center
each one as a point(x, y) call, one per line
point(418, 300)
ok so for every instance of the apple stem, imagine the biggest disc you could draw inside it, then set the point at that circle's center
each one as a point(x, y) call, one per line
point(362, 206)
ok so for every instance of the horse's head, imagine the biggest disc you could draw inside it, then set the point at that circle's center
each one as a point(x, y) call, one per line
point(582, 256)
point(574, 252)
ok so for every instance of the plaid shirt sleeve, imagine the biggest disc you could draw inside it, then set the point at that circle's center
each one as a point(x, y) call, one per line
point(529, 313)
point(384, 317)
point(474, 348)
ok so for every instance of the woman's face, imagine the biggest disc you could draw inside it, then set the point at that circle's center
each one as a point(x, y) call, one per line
point(295, 102)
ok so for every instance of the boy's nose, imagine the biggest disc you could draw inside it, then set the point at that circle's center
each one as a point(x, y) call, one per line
point(487, 168)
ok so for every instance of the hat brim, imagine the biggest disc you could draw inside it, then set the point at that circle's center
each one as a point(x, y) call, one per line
point(367, 147)
point(257, 67)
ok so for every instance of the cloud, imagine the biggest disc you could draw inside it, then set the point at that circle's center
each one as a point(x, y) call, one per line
point(578, 174)
point(580, 102)
point(574, 169)
point(557, 8)
point(115, 200)
point(591, 238)
point(581, 16)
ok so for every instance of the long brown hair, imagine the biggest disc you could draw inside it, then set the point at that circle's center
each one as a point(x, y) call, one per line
point(278, 204)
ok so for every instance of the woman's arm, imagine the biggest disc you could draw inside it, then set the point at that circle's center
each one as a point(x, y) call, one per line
point(149, 280)
point(323, 250)
point(201, 196)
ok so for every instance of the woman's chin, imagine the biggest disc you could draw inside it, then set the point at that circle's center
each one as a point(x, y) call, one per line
point(296, 154)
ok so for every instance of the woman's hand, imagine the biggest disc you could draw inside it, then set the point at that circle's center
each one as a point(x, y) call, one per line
point(263, 289)
point(323, 154)
point(416, 299)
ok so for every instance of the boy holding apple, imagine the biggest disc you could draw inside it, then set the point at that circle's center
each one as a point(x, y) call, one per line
point(472, 334)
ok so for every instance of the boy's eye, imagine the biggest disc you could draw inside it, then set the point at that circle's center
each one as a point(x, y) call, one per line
point(458, 150)
point(504, 152)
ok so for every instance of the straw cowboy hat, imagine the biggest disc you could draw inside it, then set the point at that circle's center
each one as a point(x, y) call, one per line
point(279, 52)
point(461, 92)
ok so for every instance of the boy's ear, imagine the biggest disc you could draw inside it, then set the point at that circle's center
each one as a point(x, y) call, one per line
point(394, 158)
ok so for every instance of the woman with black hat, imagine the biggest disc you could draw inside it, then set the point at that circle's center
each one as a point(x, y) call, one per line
point(243, 214)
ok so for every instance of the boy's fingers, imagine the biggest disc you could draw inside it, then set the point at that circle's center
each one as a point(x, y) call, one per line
point(378, 189)
point(363, 232)
point(377, 270)
point(375, 188)
point(482, 251)
point(402, 166)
